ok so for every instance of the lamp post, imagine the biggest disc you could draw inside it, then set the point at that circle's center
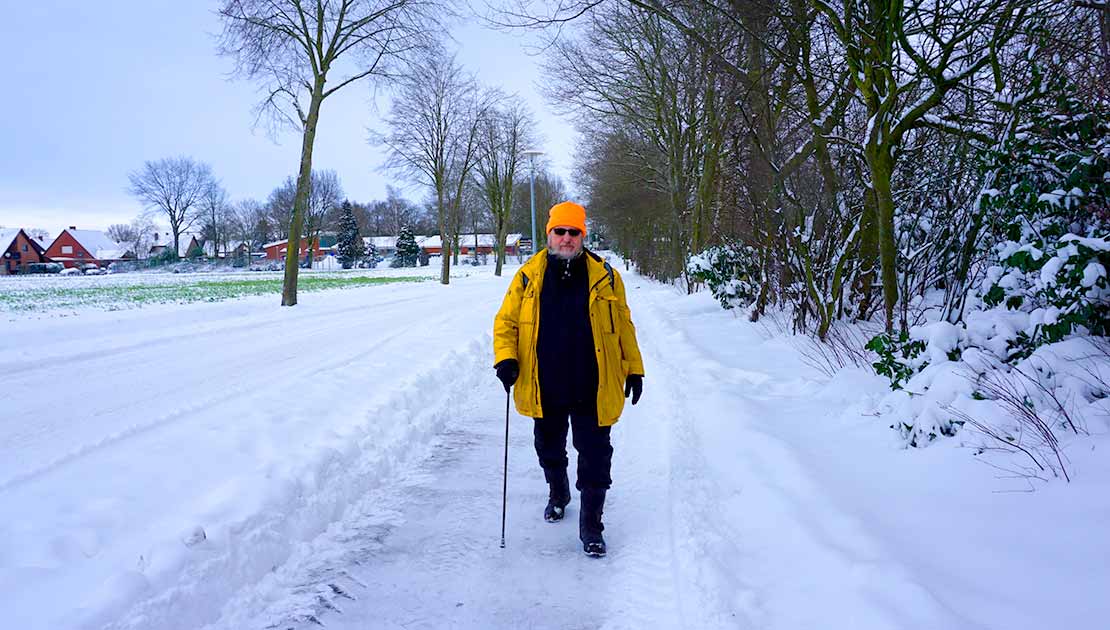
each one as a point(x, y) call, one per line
point(532, 153)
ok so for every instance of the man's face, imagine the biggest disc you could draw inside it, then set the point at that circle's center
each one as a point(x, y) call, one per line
point(566, 245)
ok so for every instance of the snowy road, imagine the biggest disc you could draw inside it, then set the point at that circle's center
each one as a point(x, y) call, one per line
point(236, 465)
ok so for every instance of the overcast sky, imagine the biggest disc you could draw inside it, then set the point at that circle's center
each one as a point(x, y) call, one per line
point(94, 89)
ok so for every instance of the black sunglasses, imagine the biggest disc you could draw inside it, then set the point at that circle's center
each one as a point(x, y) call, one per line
point(564, 231)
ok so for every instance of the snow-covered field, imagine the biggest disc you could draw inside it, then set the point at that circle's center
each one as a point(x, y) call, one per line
point(235, 465)
point(51, 295)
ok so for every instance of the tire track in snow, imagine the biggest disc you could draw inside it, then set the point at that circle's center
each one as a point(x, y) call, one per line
point(704, 550)
point(47, 362)
point(421, 550)
point(238, 390)
point(326, 579)
point(429, 557)
point(773, 534)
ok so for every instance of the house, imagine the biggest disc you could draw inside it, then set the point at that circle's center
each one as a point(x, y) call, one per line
point(19, 250)
point(237, 249)
point(76, 248)
point(326, 244)
point(387, 245)
point(277, 250)
point(226, 249)
point(163, 240)
point(468, 242)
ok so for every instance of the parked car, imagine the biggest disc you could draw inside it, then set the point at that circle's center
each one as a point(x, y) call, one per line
point(45, 267)
point(70, 271)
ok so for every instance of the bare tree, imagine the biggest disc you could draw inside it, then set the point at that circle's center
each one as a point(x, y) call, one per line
point(550, 190)
point(324, 198)
point(293, 46)
point(174, 188)
point(324, 193)
point(120, 233)
point(504, 135)
point(214, 210)
point(433, 136)
point(251, 224)
point(40, 234)
point(137, 236)
point(387, 217)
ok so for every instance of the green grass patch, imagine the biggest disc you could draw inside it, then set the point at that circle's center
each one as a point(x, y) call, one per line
point(118, 296)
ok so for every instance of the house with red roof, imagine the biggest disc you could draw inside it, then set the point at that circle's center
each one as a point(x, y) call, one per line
point(18, 250)
point(77, 248)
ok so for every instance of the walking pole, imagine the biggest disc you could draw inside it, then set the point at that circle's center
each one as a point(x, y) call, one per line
point(505, 476)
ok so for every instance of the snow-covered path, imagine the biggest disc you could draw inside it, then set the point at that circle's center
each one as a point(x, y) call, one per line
point(236, 466)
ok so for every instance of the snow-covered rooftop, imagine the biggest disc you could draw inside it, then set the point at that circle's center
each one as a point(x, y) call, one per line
point(467, 240)
point(7, 235)
point(390, 242)
point(98, 244)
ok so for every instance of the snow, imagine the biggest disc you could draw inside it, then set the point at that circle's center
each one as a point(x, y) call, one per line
point(7, 235)
point(98, 244)
point(1051, 268)
point(940, 337)
point(1097, 244)
point(1091, 274)
point(467, 240)
point(240, 465)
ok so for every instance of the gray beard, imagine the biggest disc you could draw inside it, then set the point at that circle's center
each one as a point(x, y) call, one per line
point(562, 256)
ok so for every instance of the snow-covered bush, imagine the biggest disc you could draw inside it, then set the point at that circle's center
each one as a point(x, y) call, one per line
point(1022, 368)
point(1053, 219)
point(899, 357)
point(730, 271)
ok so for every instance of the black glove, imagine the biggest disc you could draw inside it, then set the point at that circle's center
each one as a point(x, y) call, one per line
point(634, 384)
point(507, 371)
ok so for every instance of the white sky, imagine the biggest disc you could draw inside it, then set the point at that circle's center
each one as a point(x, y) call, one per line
point(92, 90)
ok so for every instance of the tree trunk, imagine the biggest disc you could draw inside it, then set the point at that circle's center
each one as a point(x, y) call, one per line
point(1104, 43)
point(760, 168)
point(304, 181)
point(881, 172)
point(445, 250)
point(176, 229)
point(501, 225)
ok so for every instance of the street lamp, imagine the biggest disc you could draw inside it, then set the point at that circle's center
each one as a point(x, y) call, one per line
point(532, 153)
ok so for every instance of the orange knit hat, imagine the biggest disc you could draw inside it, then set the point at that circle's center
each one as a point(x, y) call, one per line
point(567, 213)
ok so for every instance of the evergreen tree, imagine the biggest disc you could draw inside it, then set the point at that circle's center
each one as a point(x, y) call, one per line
point(350, 245)
point(407, 249)
point(370, 261)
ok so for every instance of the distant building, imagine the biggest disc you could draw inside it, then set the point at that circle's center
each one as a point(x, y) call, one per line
point(432, 245)
point(19, 250)
point(323, 246)
point(76, 248)
point(386, 246)
point(277, 249)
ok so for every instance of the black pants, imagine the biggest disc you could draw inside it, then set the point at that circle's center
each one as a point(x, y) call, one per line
point(595, 453)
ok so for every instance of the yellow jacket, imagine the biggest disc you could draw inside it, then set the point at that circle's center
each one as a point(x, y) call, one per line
point(516, 329)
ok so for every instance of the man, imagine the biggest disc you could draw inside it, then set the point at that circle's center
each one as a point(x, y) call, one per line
point(565, 329)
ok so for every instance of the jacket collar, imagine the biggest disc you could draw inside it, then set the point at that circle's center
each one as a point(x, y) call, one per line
point(597, 268)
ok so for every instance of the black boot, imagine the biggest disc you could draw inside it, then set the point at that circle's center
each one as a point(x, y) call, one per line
point(558, 495)
point(589, 522)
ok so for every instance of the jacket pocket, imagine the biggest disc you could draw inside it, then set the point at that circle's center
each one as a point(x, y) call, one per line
point(608, 315)
point(528, 307)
